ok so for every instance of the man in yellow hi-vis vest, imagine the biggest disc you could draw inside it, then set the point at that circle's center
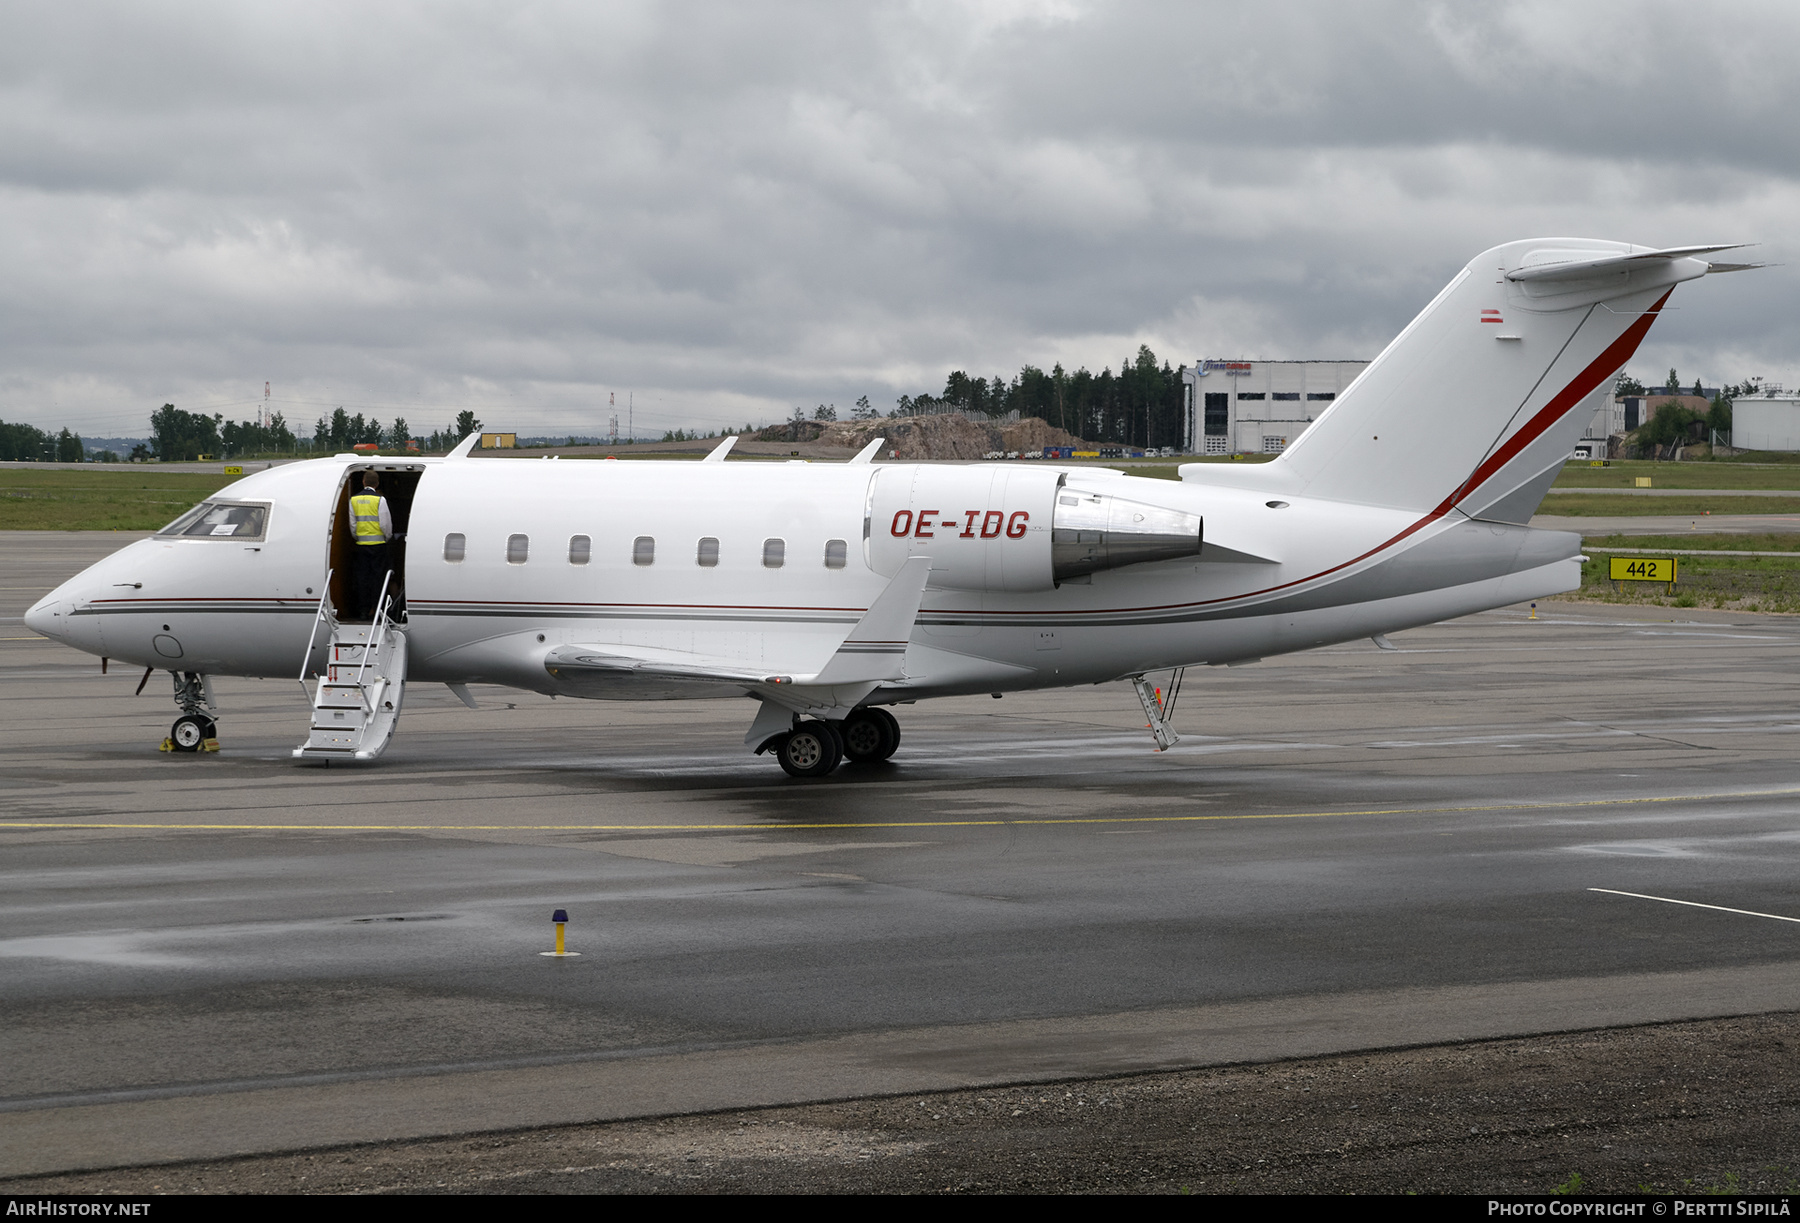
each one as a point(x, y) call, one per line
point(371, 526)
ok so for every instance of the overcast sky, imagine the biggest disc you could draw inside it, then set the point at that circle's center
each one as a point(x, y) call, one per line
point(726, 210)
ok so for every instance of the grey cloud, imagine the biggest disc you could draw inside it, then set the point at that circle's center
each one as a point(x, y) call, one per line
point(737, 208)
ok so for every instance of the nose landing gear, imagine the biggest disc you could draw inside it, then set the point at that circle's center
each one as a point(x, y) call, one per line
point(195, 730)
point(191, 733)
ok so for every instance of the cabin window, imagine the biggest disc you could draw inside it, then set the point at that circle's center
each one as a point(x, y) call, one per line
point(707, 555)
point(643, 550)
point(518, 547)
point(455, 546)
point(774, 553)
point(837, 552)
point(580, 549)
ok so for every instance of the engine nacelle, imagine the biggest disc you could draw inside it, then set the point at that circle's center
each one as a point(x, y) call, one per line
point(1014, 529)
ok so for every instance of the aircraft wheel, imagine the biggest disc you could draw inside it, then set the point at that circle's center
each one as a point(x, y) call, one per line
point(870, 736)
point(812, 749)
point(893, 725)
point(190, 731)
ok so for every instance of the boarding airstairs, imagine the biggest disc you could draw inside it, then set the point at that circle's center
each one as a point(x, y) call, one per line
point(358, 695)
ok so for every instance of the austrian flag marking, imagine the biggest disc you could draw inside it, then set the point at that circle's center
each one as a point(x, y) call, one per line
point(1491, 316)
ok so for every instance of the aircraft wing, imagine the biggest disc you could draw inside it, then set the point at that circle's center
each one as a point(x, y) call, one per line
point(631, 666)
point(873, 652)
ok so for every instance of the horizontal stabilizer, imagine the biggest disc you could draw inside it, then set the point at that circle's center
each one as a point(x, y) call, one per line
point(1580, 265)
point(867, 453)
point(717, 453)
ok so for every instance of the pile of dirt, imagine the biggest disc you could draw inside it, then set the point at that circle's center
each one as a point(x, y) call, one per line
point(789, 431)
point(928, 437)
point(933, 437)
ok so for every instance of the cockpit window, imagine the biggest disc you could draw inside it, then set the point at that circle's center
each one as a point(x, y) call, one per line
point(221, 520)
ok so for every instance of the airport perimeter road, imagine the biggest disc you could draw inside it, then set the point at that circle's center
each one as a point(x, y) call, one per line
point(1350, 849)
point(1670, 524)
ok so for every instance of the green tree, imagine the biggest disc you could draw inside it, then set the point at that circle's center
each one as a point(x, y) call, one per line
point(182, 436)
point(1628, 386)
point(24, 443)
point(399, 434)
point(68, 447)
point(1718, 416)
point(466, 424)
point(1672, 425)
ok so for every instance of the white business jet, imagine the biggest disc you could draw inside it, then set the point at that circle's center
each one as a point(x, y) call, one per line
point(829, 592)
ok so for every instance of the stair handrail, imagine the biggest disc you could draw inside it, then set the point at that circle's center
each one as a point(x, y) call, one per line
point(377, 629)
point(318, 615)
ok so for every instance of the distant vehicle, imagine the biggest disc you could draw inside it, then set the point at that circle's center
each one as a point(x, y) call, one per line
point(365, 448)
point(828, 592)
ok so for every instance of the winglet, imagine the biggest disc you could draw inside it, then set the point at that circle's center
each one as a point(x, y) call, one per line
point(867, 453)
point(717, 453)
point(876, 647)
point(463, 447)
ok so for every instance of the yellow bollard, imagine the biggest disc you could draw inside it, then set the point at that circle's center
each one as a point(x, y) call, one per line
point(561, 918)
point(1533, 611)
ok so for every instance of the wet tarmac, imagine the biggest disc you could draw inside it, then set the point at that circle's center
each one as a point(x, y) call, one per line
point(1507, 826)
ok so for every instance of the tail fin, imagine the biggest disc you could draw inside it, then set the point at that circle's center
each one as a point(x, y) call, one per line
point(1473, 406)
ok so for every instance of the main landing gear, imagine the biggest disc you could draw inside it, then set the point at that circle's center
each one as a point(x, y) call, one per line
point(195, 730)
point(814, 748)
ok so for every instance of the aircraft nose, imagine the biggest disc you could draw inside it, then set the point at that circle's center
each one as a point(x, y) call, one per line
point(45, 616)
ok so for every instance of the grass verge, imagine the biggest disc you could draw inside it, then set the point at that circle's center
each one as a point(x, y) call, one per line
point(1776, 541)
point(1730, 583)
point(1705, 474)
point(60, 500)
point(1603, 505)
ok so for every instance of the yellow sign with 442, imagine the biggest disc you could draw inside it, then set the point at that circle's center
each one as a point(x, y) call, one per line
point(1642, 569)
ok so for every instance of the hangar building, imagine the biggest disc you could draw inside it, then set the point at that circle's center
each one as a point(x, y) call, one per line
point(1257, 407)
